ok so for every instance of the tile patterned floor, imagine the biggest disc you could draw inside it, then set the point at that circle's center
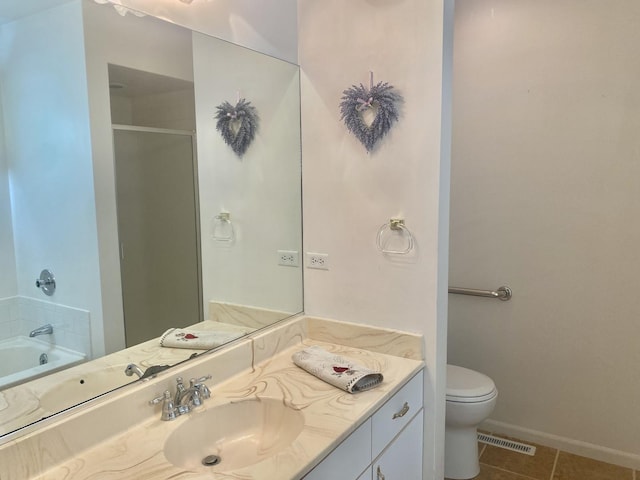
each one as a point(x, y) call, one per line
point(547, 464)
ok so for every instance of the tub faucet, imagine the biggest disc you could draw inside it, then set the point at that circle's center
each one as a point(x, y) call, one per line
point(132, 368)
point(43, 330)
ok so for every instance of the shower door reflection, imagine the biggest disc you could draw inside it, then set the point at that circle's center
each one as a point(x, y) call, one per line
point(158, 230)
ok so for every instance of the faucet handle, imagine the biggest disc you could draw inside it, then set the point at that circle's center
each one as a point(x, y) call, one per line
point(157, 400)
point(198, 393)
point(202, 389)
point(179, 386)
point(195, 399)
point(169, 411)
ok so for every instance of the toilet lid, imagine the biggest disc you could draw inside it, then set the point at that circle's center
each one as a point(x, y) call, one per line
point(468, 385)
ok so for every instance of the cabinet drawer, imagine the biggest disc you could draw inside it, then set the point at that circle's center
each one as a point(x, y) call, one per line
point(396, 413)
point(348, 460)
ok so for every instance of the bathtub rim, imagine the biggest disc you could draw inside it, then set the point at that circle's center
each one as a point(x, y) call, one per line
point(70, 358)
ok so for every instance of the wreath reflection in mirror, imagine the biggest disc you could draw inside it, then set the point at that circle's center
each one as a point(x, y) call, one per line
point(237, 124)
point(382, 99)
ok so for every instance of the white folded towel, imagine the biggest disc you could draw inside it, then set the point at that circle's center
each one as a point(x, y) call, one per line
point(196, 339)
point(336, 370)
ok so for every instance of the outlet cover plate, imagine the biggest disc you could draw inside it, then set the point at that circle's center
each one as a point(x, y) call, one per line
point(288, 258)
point(318, 260)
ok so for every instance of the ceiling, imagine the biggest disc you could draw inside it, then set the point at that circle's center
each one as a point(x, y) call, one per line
point(13, 9)
point(132, 83)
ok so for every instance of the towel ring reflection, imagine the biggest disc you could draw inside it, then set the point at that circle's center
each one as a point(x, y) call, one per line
point(222, 229)
point(395, 225)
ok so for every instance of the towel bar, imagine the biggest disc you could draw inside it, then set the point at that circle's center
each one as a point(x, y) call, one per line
point(503, 293)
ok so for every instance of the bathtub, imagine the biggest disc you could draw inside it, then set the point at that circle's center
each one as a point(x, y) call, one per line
point(20, 360)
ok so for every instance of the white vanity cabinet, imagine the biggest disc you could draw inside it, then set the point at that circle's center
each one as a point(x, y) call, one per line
point(402, 460)
point(367, 474)
point(387, 446)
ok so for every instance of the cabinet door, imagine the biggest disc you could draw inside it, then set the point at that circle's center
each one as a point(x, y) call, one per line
point(349, 459)
point(402, 460)
point(367, 474)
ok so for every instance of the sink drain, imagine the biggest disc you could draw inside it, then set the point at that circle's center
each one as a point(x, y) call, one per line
point(211, 460)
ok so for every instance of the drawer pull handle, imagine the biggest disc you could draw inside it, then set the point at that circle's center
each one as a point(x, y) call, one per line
point(403, 411)
point(379, 473)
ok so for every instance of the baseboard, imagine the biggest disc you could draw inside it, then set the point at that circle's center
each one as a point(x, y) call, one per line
point(576, 447)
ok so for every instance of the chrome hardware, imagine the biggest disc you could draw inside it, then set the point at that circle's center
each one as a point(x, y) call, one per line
point(181, 391)
point(211, 460)
point(169, 410)
point(395, 225)
point(222, 229)
point(194, 395)
point(44, 359)
point(503, 293)
point(43, 330)
point(200, 390)
point(131, 369)
point(46, 282)
point(403, 411)
point(379, 474)
point(185, 399)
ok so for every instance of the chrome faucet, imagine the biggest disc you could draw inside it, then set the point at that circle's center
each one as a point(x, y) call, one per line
point(184, 400)
point(194, 395)
point(43, 330)
point(132, 369)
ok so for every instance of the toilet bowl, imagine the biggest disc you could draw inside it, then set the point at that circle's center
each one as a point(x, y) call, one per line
point(471, 397)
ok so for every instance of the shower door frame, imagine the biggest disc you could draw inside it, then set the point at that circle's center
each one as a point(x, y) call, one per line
point(194, 159)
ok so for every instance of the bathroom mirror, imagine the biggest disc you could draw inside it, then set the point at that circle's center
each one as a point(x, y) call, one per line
point(114, 177)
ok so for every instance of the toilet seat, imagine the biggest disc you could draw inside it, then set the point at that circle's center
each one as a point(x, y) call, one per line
point(468, 386)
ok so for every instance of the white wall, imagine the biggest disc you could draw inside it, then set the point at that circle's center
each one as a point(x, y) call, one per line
point(171, 110)
point(545, 199)
point(269, 171)
point(268, 26)
point(48, 153)
point(155, 48)
point(261, 190)
point(174, 110)
point(349, 194)
point(8, 287)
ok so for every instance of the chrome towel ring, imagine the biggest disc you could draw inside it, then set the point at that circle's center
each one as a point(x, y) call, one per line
point(395, 226)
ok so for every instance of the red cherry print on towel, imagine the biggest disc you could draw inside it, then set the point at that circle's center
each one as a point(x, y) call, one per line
point(340, 369)
point(190, 336)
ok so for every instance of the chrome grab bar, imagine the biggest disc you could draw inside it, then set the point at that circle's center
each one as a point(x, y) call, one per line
point(503, 293)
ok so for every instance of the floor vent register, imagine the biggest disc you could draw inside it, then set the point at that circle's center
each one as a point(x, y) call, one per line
point(506, 444)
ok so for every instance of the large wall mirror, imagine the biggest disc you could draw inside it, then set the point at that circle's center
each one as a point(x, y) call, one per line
point(114, 178)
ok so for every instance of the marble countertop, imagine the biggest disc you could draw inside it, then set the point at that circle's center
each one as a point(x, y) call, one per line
point(330, 414)
point(21, 405)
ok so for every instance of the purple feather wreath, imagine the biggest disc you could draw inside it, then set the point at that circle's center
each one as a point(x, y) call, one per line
point(237, 124)
point(383, 99)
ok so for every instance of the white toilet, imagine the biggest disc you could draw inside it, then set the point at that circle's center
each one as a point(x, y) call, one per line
point(471, 397)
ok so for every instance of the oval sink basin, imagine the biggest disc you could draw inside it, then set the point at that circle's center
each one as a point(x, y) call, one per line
point(82, 387)
point(240, 433)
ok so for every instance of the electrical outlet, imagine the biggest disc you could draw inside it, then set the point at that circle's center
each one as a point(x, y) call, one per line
point(318, 260)
point(288, 258)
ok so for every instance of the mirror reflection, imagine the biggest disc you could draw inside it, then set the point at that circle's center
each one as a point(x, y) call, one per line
point(114, 178)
